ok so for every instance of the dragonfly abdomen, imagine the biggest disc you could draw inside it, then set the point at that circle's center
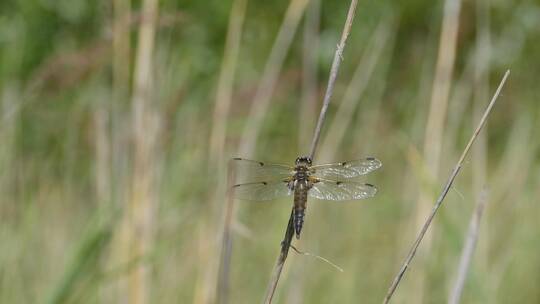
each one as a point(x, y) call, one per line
point(300, 202)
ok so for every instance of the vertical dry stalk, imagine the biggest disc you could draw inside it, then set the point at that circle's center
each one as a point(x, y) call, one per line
point(217, 141)
point(440, 199)
point(143, 195)
point(226, 245)
point(271, 72)
point(338, 56)
point(437, 114)
point(441, 85)
point(355, 89)
point(468, 249)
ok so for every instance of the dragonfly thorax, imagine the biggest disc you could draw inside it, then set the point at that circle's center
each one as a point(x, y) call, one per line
point(301, 169)
point(301, 173)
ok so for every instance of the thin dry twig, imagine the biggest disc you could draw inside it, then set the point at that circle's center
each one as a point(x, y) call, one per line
point(468, 248)
point(338, 56)
point(442, 196)
point(285, 245)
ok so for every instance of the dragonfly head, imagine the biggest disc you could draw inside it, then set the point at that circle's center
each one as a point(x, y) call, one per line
point(303, 160)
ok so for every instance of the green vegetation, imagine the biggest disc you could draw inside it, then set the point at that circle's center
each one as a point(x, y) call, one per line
point(74, 165)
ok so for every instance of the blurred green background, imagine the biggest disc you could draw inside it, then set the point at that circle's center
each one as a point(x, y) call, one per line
point(117, 119)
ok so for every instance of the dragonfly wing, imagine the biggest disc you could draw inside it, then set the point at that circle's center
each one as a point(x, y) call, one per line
point(345, 170)
point(261, 191)
point(341, 191)
point(251, 171)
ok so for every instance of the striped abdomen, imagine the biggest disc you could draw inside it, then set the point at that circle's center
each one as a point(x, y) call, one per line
point(300, 201)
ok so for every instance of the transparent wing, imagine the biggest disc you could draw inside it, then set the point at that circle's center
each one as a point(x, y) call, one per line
point(345, 170)
point(261, 191)
point(341, 191)
point(250, 171)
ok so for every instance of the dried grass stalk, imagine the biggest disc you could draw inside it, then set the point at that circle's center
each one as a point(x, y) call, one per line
point(440, 199)
point(468, 249)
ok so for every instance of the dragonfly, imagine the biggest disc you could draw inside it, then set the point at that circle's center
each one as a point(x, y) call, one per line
point(262, 181)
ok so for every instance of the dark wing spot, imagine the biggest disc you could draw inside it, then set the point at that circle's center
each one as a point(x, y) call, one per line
point(261, 164)
point(369, 185)
point(343, 163)
point(265, 183)
point(339, 183)
point(237, 158)
point(370, 158)
point(237, 185)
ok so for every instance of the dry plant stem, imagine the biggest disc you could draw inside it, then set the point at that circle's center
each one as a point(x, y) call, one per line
point(441, 85)
point(468, 249)
point(218, 140)
point(285, 245)
point(143, 200)
point(338, 57)
point(441, 197)
point(330, 88)
point(226, 247)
